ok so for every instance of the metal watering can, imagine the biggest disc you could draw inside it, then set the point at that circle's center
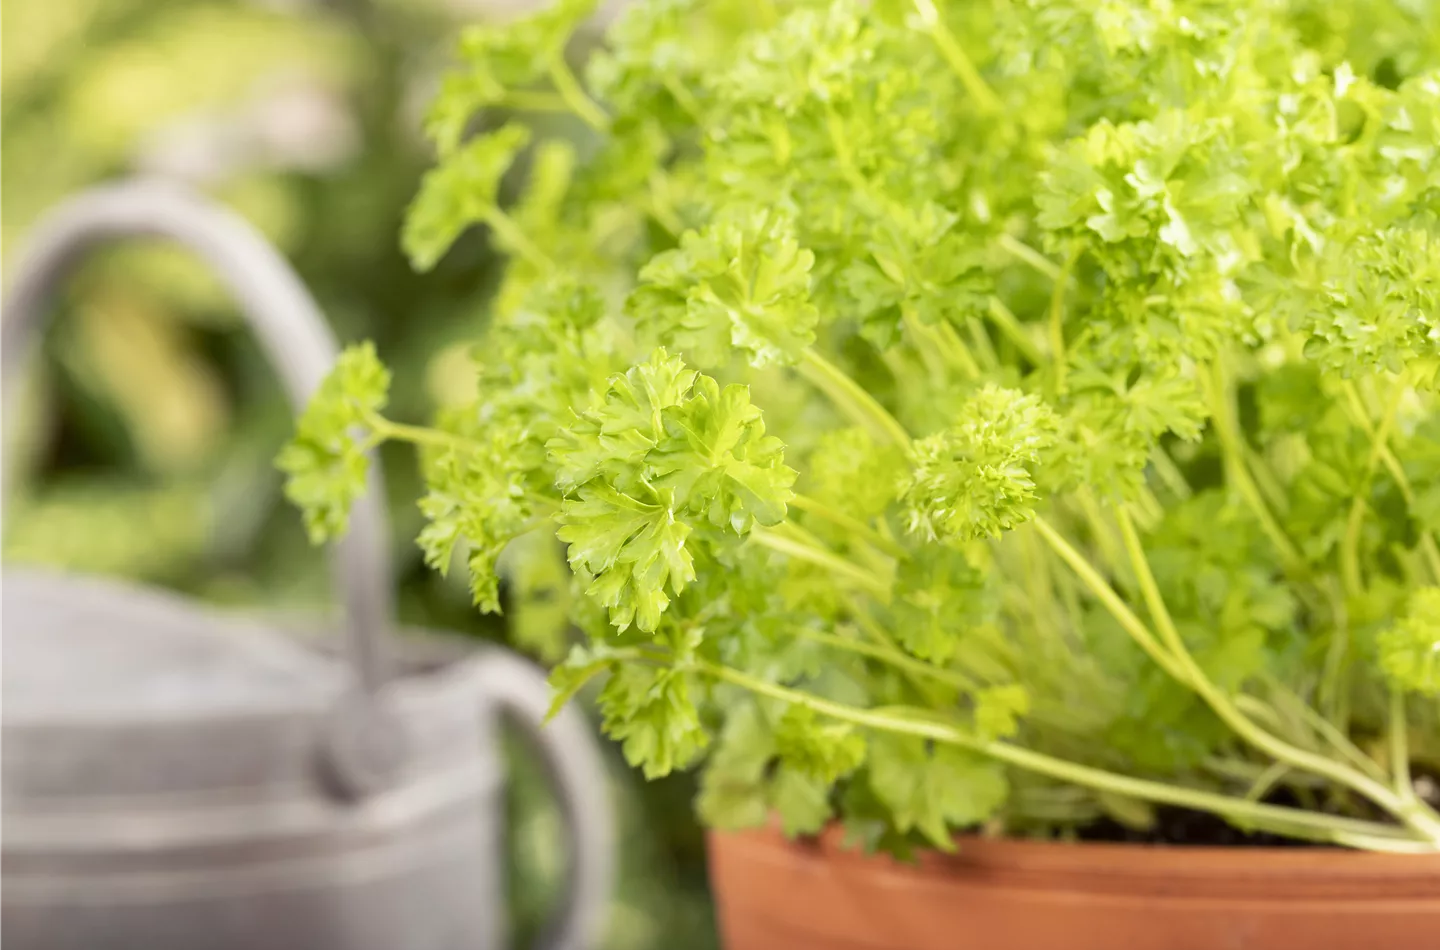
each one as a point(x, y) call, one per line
point(176, 778)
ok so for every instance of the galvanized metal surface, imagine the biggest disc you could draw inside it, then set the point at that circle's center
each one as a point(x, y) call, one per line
point(178, 778)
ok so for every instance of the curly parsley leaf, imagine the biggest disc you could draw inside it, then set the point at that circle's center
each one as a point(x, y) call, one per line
point(1410, 650)
point(325, 463)
point(976, 480)
point(743, 283)
point(459, 193)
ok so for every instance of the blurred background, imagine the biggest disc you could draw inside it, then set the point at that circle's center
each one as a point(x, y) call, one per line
point(150, 421)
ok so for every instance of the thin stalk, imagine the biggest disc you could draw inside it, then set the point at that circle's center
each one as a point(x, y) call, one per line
point(1110, 600)
point(1266, 781)
point(1170, 473)
point(804, 551)
point(941, 339)
point(884, 654)
point(1353, 831)
point(1361, 416)
point(387, 429)
point(854, 526)
point(922, 340)
point(684, 98)
point(957, 352)
point(1038, 582)
point(870, 628)
point(1326, 730)
point(1400, 746)
point(1057, 316)
point(534, 100)
point(660, 206)
point(1331, 698)
point(1021, 251)
point(950, 48)
point(570, 90)
point(981, 344)
point(1350, 546)
point(1014, 331)
point(1232, 447)
point(1270, 488)
point(1241, 725)
point(851, 398)
point(1110, 548)
point(506, 228)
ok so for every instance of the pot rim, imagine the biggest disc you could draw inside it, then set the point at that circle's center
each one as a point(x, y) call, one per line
point(1187, 872)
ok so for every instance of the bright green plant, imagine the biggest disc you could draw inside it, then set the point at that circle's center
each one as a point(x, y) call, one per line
point(983, 413)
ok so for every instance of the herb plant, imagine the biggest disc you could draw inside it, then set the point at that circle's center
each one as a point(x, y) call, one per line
point(995, 413)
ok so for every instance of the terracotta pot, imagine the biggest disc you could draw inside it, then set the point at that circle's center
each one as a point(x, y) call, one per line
point(774, 894)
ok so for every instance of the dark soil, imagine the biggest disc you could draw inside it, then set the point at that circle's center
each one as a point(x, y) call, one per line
point(1181, 826)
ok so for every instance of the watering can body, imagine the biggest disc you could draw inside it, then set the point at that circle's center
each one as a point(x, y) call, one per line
point(176, 777)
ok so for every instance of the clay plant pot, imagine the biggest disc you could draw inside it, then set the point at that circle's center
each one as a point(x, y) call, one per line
point(996, 894)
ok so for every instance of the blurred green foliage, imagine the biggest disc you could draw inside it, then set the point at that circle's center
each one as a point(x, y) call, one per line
point(144, 443)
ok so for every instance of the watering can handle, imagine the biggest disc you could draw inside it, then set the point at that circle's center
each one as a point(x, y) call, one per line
point(291, 329)
point(572, 762)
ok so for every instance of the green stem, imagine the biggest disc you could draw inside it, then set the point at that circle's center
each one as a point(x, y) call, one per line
point(569, 88)
point(851, 398)
point(1400, 746)
point(1232, 447)
point(1294, 821)
point(1270, 488)
point(660, 205)
point(1358, 412)
point(852, 525)
point(1266, 781)
point(1110, 600)
point(890, 655)
point(934, 340)
point(534, 100)
point(1333, 699)
point(1009, 324)
point(505, 227)
point(1338, 740)
point(1170, 473)
point(957, 352)
point(950, 48)
point(1021, 251)
point(1350, 546)
point(805, 551)
point(1057, 315)
point(1241, 725)
point(982, 345)
point(417, 435)
point(685, 99)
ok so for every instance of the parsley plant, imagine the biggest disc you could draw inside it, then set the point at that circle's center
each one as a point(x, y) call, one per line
point(959, 412)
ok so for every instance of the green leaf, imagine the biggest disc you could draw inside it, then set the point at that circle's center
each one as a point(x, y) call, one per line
point(716, 459)
point(998, 710)
point(325, 462)
point(941, 598)
point(849, 472)
point(935, 791)
point(823, 750)
point(977, 479)
point(663, 452)
point(742, 282)
point(497, 58)
point(651, 713)
point(459, 193)
point(758, 770)
point(1410, 650)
